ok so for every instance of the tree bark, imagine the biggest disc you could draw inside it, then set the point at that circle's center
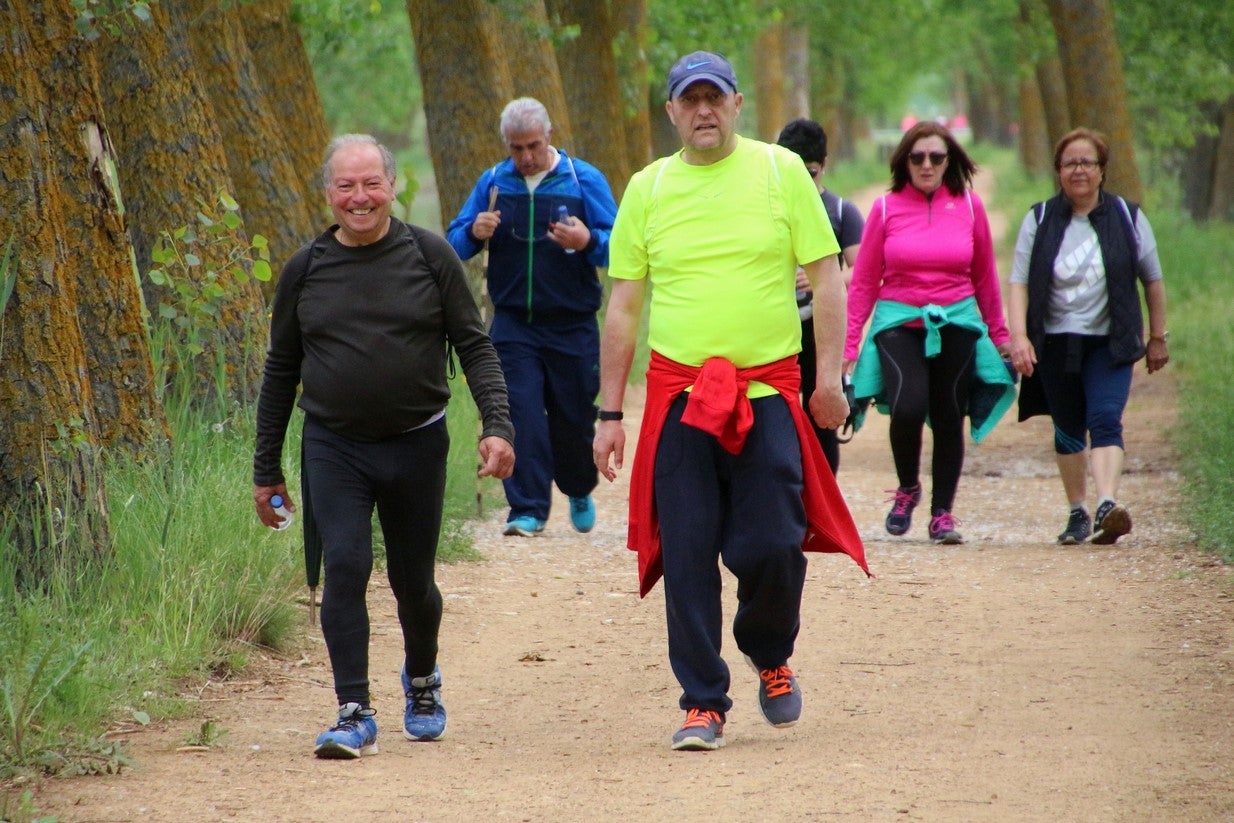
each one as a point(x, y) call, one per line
point(1222, 204)
point(1196, 174)
point(164, 129)
point(769, 85)
point(592, 89)
point(269, 187)
point(630, 52)
point(1096, 89)
point(75, 373)
point(796, 37)
point(465, 90)
point(1053, 98)
point(525, 33)
point(664, 137)
point(283, 65)
point(1036, 153)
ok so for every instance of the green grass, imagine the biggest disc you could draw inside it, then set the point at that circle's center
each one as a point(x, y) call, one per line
point(1195, 259)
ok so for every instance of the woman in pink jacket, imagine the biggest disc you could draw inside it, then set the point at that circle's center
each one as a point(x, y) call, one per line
point(926, 273)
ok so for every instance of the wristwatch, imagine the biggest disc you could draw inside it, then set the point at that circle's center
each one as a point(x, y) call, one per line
point(610, 415)
point(1164, 337)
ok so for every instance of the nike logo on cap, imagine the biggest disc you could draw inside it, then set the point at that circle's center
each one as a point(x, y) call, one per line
point(693, 66)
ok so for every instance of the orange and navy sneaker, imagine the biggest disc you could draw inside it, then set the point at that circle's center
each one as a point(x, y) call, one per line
point(702, 731)
point(779, 696)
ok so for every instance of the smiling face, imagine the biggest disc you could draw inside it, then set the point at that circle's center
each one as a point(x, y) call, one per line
point(926, 177)
point(359, 194)
point(706, 119)
point(1079, 174)
point(530, 150)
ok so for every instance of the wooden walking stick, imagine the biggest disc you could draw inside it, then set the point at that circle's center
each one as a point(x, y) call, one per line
point(492, 202)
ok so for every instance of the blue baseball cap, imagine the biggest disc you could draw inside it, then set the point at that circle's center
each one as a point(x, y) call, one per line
point(701, 65)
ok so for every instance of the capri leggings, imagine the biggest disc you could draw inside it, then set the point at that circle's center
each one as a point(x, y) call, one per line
point(936, 388)
point(1087, 402)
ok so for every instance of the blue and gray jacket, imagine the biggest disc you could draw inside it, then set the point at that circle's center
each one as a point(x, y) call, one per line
point(530, 277)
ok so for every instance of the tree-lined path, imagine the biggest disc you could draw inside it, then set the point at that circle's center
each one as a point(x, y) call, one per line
point(1005, 679)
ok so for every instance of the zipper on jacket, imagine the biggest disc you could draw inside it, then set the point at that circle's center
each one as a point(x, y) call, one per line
point(531, 245)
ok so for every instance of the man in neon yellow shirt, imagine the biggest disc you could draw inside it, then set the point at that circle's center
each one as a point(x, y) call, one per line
point(727, 466)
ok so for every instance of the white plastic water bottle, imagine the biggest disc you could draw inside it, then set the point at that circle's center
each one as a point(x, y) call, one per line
point(276, 503)
point(563, 216)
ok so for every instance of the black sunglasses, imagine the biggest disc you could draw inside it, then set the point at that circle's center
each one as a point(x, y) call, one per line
point(919, 157)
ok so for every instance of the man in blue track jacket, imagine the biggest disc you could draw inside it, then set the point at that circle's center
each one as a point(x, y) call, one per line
point(545, 218)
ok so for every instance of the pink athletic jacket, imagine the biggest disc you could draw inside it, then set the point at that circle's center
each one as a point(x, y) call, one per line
point(923, 251)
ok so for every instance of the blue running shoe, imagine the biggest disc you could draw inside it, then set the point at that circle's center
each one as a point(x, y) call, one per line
point(355, 734)
point(583, 513)
point(779, 696)
point(525, 526)
point(425, 717)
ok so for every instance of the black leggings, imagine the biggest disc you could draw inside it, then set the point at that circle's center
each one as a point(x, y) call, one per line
point(918, 388)
point(404, 478)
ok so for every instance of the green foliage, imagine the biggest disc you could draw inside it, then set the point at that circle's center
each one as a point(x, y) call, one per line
point(8, 274)
point(98, 17)
point(192, 582)
point(388, 100)
point(1177, 59)
point(27, 688)
point(8, 281)
point(198, 267)
point(24, 812)
point(208, 735)
point(1195, 258)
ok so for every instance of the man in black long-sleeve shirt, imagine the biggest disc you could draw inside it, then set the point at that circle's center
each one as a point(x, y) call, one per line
point(362, 319)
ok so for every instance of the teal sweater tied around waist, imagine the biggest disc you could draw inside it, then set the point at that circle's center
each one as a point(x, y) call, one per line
point(993, 389)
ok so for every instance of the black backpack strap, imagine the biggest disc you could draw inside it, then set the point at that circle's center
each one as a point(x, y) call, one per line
point(451, 364)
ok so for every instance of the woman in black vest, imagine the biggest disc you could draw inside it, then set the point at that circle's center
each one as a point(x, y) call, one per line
point(1077, 330)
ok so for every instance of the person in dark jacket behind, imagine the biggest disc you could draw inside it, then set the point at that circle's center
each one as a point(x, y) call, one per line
point(362, 319)
point(1077, 330)
point(808, 139)
point(545, 290)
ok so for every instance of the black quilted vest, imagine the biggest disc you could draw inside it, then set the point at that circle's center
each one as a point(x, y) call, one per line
point(1118, 251)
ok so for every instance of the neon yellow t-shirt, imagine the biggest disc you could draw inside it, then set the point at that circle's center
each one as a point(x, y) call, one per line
point(720, 245)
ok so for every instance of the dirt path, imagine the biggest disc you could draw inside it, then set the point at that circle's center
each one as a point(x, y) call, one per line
point(1006, 679)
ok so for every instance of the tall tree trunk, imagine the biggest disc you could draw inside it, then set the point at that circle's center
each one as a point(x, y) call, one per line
point(465, 90)
point(269, 187)
point(75, 373)
point(796, 71)
point(1035, 151)
point(769, 86)
point(1053, 98)
point(164, 129)
point(829, 103)
point(525, 34)
point(664, 137)
point(983, 116)
point(291, 92)
point(1196, 174)
point(1222, 205)
point(1096, 90)
point(630, 51)
point(593, 93)
point(1037, 49)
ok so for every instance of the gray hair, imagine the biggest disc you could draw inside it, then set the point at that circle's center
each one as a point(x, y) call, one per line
point(523, 115)
point(387, 159)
